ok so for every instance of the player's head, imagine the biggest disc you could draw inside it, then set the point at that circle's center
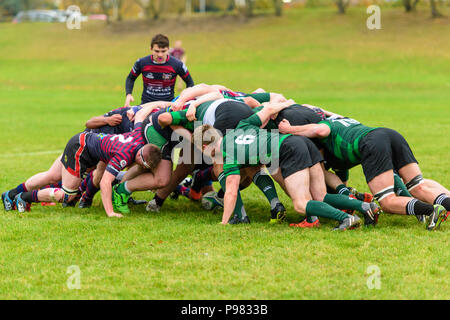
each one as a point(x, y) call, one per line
point(160, 48)
point(178, 44)
point(206, 137)
point(149, 156)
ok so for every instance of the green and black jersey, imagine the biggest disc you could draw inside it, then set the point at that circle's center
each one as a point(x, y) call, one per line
point(344, 138)
point(260, 97)
point(249, 145)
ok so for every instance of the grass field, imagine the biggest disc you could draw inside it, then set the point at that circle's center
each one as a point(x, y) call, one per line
point(53, 79)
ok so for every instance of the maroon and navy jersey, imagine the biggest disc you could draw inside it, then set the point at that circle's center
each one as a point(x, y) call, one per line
point(116, 150)
point(125, 126)
point(177, 53)
point(159, 79)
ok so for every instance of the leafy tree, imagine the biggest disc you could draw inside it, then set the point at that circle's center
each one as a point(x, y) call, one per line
point(342, 5)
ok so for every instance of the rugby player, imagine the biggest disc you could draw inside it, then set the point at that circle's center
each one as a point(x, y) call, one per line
point(380, 151)
point(82, 153)
point(299, 173)
point(159, 73)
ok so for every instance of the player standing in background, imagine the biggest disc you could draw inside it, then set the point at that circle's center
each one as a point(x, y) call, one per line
point(159, 72)
point(178, 52)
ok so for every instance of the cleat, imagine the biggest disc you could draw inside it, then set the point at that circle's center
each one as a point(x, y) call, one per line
point(194, 195)
point(306, 224)
point(421, 218)
point(277, 214)
point(365, 197)
point(352, 222)
point(72, 203)
point(136, 202)
point(210, 201)
point(236, 220)
point(438, 216)
point(85, 203)
point(21, 204)
point(371, 213)
point(185, 183)
point(8, 204)
point(152, 206)
point(120, 201)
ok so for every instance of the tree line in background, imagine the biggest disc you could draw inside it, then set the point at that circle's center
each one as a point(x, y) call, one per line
point(154, 9)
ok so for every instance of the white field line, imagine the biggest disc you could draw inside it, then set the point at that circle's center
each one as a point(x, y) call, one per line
point(26, 154)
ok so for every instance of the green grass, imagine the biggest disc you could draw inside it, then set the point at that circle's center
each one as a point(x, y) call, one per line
point(53, 79)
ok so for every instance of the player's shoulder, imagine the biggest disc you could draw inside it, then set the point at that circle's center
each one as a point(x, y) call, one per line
point(175, 62)
point(144, 60)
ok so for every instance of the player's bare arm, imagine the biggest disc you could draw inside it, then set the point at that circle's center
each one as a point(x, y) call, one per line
point(100, 121)
point(309, 130)
point(231, 193)
point(106, 191)
point(190, 114)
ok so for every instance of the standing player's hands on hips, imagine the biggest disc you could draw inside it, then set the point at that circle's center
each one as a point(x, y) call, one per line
point(128, 99)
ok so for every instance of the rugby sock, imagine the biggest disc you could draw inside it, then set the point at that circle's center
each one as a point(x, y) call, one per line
point(189, 193)
point(184, 191)
point(443, 200)
point(311, 219)
point(53, 185)
point(400, 188)
point(322, 209)
point(91, 190)
point(122, 188)
point(417, 207)
point(266, 185)
point(200, 178)
point(28, 196)
point(159, 201)
point(342, 189)
point(85, 181)
point(34, 196)
point(14, 192)
point(343, 202)
point(239, 209)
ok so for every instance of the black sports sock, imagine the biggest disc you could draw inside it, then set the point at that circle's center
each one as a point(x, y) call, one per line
point(158, 200)
point(443, 200)
point(417, 207)
point(27, 196)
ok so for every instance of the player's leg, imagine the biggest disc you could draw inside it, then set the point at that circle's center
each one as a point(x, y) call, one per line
point(428, 192)
point(65, 194)
point(436, 186)
point(74, 162)
point(92, 186)
point(178, 175)
point(263, 181)
point(145, 181)
point(340, 201)
point(298, 186)
point(51, 176)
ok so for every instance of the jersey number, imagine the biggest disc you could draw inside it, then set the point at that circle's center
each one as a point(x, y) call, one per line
point(247, 139)
point(122, 138)
point(347, 122)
